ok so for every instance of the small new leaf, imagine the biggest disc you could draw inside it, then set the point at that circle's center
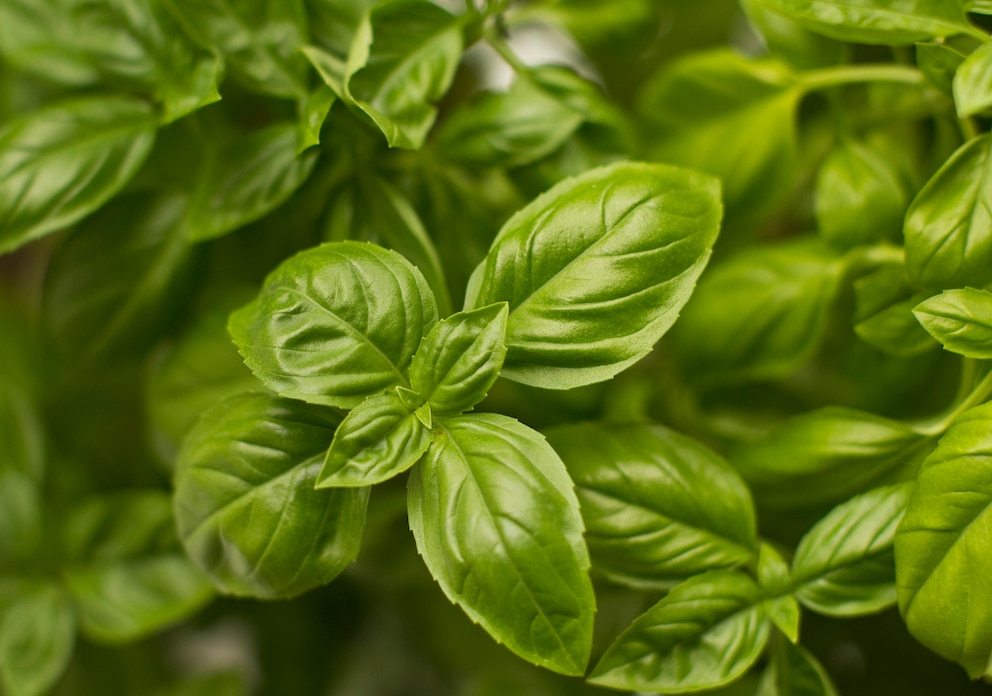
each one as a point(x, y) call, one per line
point(775, 581)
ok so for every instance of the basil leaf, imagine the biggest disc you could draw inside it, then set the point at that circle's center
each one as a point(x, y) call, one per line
point(730, 117)
point(381, 438)
point(776, 584)
point(45, 38)
point(246, 179)
point(258, 39)
point(65, 161)
point(658, 506)
point(460, 359)
point(827, 455)
point(844, 565)
point(311, 114)
point(705, 633)
point(372, 210)
point(786, 38)
point(860, 196)
point(761, 314)
point(877, 21)
point(121, 279)
point(884, 318)
point(129, 577)
point(498, 525)
point(794, 672)
point(972, 93)
point(596, 270)
point(336, 323)
point(949, 224)
point(942, 546)
point(37, 633)
point(402, 60)
point(254, 458)
point(939, 62)
point(961, 320)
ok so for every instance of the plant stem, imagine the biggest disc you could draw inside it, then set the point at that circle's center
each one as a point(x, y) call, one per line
point(848, 74)
point(965, 400)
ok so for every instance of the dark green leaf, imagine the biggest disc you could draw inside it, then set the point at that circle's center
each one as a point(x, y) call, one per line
point(336, 323)
point(596, 270)
point(37, 633)
point(312, 112)
point(129, 576)
point(939, 61)
point(498, 525)
point(878, 21)
point(659, 507)
point(949, 224)
point(703, 634)
point(65, 161)
point(20, 515)
point(121, 278)
point(884, 316)
point(460, 359)
point(826, 456)
point(761, 314)
point(844, 566)
point(973, 83)
point(942, 547)
point(794, 672)
point(246, 179)
point(961, 320)
point(23, 448)
point(245, 503)
point(401, 63)
point(730, 117)
point(380, 438)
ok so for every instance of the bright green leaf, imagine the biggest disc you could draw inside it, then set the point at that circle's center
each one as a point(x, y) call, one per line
point(460, 359)
point(939, 61)
point(776, 584)
point(961, 320)
point(884, 302)
point(498, 525)
point(311, 114)
point(336, 323)
point(973, 83)
point(705, 633)
point(245, 503)
point(65, 161)
point(37, 633)
point(786, 38)
point(658, 506)
point(597, 269)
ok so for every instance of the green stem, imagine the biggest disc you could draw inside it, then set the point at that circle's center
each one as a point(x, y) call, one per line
point(504, 50)
point(966, 399)
point(848, 74)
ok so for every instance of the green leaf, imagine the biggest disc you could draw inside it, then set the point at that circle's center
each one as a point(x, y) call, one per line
point(826, 456)
point(402, 60)
point(37, 633)
point(498, 525)
point(129, 576)
point(844, 565)
point(730, 117)
point(776, 584)
point(705, 633)
point(121, 279)
point(460, 359)
point(258, 39)
point(311, 114)
point(245, 179)
point(878, 21)
point(939, 61)
point(943, 559)
point(961, 320)
point(884, 318)
point(794, 672)
point(786, 38)
point(245, 503)
point(860, 196)
point(21, 516)
point(761, 314)
point(372, 210)
point(20, 430)
point(336, 323)
point(381, 438)
point(63, 162)
point(509, 129)
point(658, 506)
point(949, 224)
point(596, 269)
point(972, 84)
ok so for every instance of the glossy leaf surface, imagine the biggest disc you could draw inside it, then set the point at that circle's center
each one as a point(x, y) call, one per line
point(37, 632)
point(703, 634)
point(498, 525)
point(844, 565)
point(460, 359)
point(942, 546)
point(63, 162)
point(596, 270)
point(658, 506)
point(245, 503)
point(380, 438)
point(973, 83)
point(961, 320)
point(336, 323)
point(775, 581)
